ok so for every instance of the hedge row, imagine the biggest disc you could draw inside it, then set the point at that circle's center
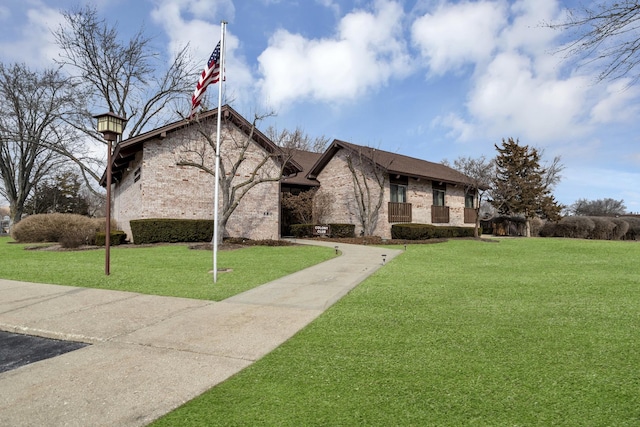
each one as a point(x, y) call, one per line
point(428, 231)
point(166, 230)
point(587, 227)
point(335, 230)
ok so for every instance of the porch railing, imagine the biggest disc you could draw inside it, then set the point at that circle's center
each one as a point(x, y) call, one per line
point(469, 216)
point(439, 214)
point(399, 212)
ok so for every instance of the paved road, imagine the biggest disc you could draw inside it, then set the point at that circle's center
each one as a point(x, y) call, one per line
point(150, 354)
point(17, 350)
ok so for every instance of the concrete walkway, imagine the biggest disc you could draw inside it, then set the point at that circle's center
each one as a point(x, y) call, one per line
point(150, 354)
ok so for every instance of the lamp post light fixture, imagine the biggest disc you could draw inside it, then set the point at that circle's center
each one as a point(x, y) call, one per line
point(110, 125)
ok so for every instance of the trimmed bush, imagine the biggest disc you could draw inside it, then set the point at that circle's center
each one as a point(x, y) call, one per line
point(633, 233)
point(584, 227)
point(117, 238)
point(302, 230)
point(428, 231)
point(577, 227)
point(603, 228)
point(70, 230)
point(620, 229)
point(342, 230)
point(548, 229)
point(166, 230)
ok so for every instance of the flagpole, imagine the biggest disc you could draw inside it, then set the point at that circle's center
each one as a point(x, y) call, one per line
point(223, 26)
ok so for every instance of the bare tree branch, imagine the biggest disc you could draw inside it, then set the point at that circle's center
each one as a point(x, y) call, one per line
point(264, 166)
point(606, 34)
point(365, 172)
point(32, 105)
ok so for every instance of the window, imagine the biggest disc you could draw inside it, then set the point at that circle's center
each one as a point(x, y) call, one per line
point(439, 190)
point(469, 200)
point(398, 193)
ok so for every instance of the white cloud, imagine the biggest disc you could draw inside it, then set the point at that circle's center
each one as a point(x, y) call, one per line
point(458, 34)
point(193, 22)
point(617, 103)
point(197, 23)
point(366, 52)
point(35, 45)
point(460, 129)
point(517, 87)
point(512, 101)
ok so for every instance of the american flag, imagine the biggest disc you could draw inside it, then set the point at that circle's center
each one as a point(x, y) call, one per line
point(210, 74)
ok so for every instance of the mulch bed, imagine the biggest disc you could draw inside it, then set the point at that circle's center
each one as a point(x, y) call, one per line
point(234, 244)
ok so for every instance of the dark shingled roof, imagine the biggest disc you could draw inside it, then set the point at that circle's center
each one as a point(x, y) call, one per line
point(126, 151)
point(392, 163)
point(306, 159)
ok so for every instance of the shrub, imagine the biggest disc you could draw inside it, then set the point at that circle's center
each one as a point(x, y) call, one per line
point(118, 237)
point(70, 230)
point(620, 229)
point(578, 227)
point(583, 227)
point(342, 230)
point(633, 233)
point(548, 229)
point(302, 230)
point(428, 231)
point(412, 231)
point(603, 228)
point(165, 230)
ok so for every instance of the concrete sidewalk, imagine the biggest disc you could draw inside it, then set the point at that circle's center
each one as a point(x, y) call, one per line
point(150, 354)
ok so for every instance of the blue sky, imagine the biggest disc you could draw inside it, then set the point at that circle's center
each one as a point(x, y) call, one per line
point(430, 79)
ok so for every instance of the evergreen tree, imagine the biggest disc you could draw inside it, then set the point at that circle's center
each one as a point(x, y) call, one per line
point(61, 194)
point(520, 186)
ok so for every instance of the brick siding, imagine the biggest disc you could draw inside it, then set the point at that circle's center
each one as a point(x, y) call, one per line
point(336, 179)
point(166, 190)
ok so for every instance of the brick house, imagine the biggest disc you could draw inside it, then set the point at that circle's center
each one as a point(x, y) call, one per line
point(152, 179)
point(407, 189)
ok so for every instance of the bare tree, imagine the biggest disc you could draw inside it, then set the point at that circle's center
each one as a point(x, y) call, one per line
point(126, 77)
point(600, 207)
point(297, 139)
point(32, 131)
point(607, 33)
point(369, 182)
point(480, 174)
point(258, 166)
point(322, 206)
point(300, 205)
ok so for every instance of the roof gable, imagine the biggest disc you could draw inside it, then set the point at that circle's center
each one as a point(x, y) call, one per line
point(306, 159)
point(126, 150)
point(392, 163)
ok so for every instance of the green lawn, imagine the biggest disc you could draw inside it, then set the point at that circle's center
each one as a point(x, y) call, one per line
point(524, 332)
point(172, 270)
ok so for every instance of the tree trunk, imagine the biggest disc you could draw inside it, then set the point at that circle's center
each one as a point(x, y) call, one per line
point(15, 214)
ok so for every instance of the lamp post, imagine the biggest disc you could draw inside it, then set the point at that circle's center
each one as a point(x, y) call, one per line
point(110, 125)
